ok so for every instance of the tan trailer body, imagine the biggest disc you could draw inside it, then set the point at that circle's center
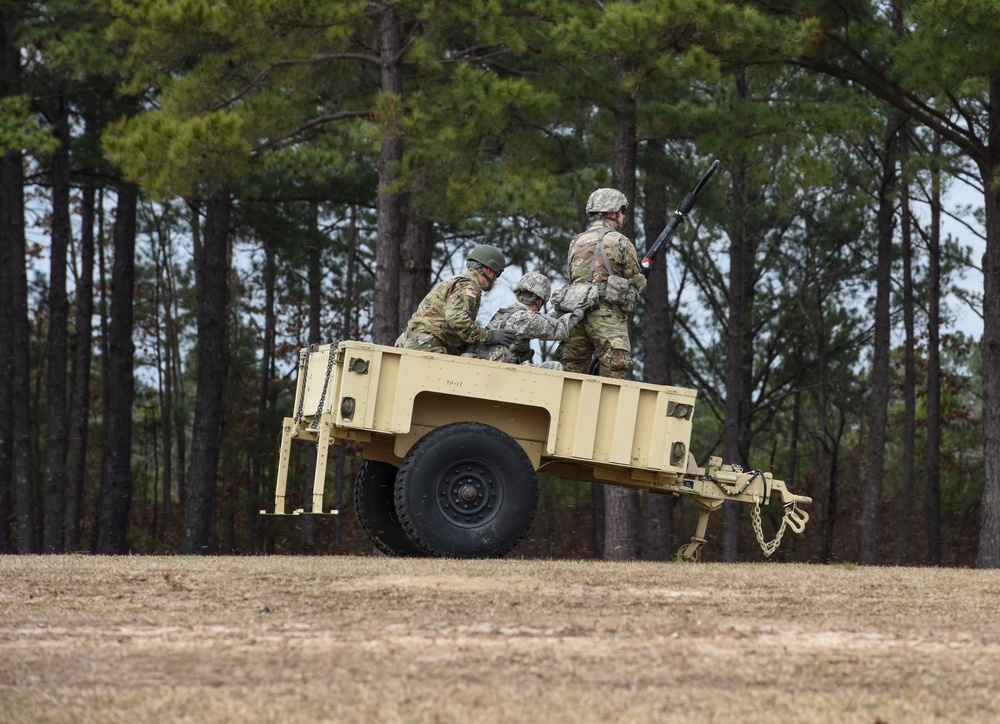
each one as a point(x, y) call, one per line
point(576, 426)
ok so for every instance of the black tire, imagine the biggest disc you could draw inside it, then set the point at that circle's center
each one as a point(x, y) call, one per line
point(466, 490)
point(373, 502)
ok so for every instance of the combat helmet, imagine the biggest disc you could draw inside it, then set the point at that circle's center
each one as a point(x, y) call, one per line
point(488, 256)
point(606, 201)
point(536, 284)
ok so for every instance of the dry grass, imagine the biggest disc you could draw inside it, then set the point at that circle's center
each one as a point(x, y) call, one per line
point(364, 639)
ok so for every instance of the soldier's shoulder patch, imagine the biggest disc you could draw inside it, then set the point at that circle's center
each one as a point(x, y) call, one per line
point(470, 293)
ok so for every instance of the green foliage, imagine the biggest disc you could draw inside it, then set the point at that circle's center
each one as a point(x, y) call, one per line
point(22, 129)
point(187, 158)
point(951, 47)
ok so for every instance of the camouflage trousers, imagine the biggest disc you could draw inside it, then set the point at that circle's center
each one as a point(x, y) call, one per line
point(604, 332)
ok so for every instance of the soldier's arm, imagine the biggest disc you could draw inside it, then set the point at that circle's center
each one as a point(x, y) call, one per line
point(537, 325)
point(460, 314)
point(630, 264)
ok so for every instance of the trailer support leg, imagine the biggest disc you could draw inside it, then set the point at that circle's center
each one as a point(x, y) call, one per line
point(283, 454)
point(690, 551)
point(322, 455)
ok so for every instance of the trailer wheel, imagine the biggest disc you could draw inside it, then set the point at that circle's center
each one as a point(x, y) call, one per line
point(373, 502)
point(466, 490)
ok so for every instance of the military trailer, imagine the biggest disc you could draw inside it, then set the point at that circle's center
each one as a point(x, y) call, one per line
point(452, 446)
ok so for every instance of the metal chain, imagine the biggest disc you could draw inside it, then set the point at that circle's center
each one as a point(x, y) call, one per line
point(322, 398)
point(771, 547)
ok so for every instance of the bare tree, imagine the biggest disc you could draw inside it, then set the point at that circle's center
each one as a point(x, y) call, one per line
point(116, 466)
point(266, 374)
point(739, 331)
point(213, 297)
point(879, 400)
point(932, 497)
point(57, 443)
point(81, 374)
point(12, 241)
point(909, 385)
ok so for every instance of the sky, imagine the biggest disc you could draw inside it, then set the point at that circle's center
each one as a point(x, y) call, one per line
point(970, 322)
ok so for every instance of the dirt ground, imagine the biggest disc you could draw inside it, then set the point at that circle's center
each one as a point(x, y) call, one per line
point(374, 639)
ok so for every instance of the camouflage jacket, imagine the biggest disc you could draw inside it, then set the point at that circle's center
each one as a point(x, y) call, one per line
point(446, 318)
point(619, 254)
point(529, 325)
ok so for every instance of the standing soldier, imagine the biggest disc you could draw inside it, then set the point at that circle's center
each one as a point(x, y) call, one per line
point(445, 321)
point(603, 257)
point(528, 322)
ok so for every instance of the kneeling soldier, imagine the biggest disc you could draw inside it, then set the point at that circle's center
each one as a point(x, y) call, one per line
point(526, 319)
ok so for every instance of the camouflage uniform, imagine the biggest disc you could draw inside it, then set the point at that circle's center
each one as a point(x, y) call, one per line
point(445, 321)
point(604, 329)
point(529, 325)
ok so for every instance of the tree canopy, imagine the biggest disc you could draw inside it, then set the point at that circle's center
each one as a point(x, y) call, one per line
point(322, 162)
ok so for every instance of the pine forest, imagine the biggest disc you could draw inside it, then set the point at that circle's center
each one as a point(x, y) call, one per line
point(191, 191)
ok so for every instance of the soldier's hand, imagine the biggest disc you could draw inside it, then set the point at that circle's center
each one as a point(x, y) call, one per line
point(506, 337)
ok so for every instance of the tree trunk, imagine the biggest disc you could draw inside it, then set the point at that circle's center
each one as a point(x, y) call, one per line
point(314, 273)
point(597, 498)
point(164, 285)
point(621, 505)
point(878, 415)
point(739, 357)
point(13, 241)
point(257, 465)
point(794, 435)
point(81, 375)
point(206, 433)
point(57, 442)
point(824, 492)
point(657, 510)
point(621, 508)
point(6, 361)
point(415, 270)
point(179, 422)
point(989, 531)
point(116, 465)
point(909, 388)
point(932, 499)
point(831, 506)
point(8, 202)
point(104, 314)
point(349, 328)
point(386, 323)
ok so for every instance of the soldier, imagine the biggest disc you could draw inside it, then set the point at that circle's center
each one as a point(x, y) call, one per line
point(445, 321)
point(528, 321)
point(603, 257)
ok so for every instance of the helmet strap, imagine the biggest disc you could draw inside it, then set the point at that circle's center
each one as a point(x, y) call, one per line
point(481, 269)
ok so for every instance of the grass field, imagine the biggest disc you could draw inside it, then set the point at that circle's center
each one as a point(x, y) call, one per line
point(366, 639)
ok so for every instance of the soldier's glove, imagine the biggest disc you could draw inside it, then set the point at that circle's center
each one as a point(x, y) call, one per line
point(506, 337)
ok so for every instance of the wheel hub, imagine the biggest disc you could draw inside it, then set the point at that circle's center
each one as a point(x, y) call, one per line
point(469, 494)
